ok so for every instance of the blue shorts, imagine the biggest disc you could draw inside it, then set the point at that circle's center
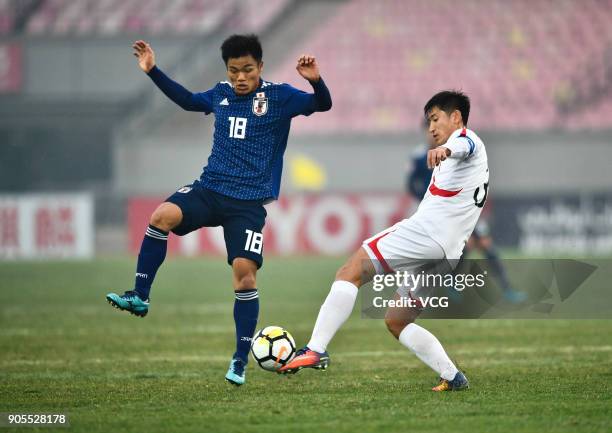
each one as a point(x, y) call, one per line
point(481, 230)
point(242, 220)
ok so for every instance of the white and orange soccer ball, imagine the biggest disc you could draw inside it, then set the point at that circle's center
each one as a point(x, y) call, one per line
point(273, 347)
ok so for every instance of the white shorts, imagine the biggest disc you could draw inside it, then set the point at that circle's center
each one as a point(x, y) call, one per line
point(402, 246)
point(405, 247)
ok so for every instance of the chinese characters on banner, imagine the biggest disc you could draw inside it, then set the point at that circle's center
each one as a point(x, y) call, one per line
point(46, 226)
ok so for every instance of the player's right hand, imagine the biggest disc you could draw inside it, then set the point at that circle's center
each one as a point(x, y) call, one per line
point(145, 55)
point(436, 156)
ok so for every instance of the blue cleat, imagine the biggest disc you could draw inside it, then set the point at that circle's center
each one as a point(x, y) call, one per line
point(458, 383)
point(306, 358)
point(515, 296)
point(129, 301)
point(236, 374)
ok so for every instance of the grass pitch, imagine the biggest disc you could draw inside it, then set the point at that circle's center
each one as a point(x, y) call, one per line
point(64, 349)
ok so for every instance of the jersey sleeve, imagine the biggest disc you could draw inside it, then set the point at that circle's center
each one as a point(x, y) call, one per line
point(298, 102)
point(461, 147)
point(202, 102)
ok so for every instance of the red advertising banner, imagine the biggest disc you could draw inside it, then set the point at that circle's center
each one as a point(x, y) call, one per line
point(10, 68)
point(300, 224)
point(46, 226)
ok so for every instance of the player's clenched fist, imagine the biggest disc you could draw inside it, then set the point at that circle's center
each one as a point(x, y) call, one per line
point(436, 156)
point(145, 55)
point(308, 68)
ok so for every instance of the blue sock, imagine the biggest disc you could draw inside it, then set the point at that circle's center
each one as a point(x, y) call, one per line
point(246, 310)
point(498, 268)
point(152, 255)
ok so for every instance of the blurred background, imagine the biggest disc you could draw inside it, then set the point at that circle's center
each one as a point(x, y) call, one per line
point(89, 146)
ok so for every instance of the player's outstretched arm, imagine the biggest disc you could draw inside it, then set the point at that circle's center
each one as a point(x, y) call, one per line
point(308, 68)
point(436, 156)
point(145, 55)
point(178, 94)
point(461, 147)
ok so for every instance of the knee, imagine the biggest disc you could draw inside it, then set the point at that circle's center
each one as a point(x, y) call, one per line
point(244, 271)
point(396, 326)
point(348, 272)
point(486, 244)
point(357, 270)
point(246, 281)
point(166, 217)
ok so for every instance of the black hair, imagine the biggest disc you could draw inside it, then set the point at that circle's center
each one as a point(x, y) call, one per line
point(241, 45)
point(449, 101)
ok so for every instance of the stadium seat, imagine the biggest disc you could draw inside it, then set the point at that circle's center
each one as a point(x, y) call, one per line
point(383, 60)
point(147, 17)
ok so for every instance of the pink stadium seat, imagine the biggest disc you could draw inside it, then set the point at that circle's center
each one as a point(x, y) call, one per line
point(6, 17)
point(534, 64)
point(5, 23)
point(112, 17)
point(383, 60)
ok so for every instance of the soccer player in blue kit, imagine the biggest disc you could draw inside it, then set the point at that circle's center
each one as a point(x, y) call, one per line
point(252, 121)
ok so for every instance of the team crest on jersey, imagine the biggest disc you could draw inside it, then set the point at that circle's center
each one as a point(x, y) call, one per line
point(260, 104)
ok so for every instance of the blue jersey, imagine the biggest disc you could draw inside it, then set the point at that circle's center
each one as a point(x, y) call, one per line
point(251, 132)
point(418, 179)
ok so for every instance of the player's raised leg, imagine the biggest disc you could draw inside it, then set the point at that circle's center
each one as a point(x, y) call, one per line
point(425, 345)
point(152, 254)
point(246, 312)
point(336, 309)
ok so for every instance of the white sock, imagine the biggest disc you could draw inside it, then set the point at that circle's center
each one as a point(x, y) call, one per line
point(428, 349)
point(333, 313)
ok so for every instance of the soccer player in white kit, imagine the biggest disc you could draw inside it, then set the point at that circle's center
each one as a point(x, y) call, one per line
point(435, 233)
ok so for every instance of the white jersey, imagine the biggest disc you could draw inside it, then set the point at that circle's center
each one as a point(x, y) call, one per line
point(456, 195)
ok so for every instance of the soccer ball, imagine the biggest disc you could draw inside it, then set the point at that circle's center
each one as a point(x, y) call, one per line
point(272, 348)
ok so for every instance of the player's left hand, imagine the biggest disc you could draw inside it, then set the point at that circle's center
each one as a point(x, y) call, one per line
point(436, 156)
point(308, 68)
